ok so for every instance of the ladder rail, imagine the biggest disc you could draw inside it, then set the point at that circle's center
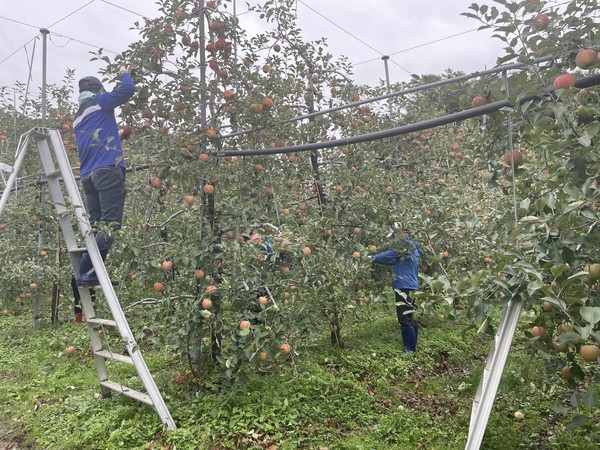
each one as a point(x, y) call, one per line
point(492, 374)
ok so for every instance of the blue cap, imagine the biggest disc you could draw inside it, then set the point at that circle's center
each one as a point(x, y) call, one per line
point(92, 84)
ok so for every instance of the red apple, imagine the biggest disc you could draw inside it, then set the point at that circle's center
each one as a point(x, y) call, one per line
point(586, 58)
point(267, 103)
point(217, 26)
point(478, 101)
point(540, 21)
point(564, 81)
point(125, 131)
point(220, 44)
point(228, 94)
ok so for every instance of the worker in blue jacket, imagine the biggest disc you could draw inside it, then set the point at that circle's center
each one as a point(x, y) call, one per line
point(404, 258)
point(102, 167)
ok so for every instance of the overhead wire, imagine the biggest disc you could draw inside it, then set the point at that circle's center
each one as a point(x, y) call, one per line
point(57, 45)
point(300, 1)
point(83, 42)
point(70, 14)
point(353, 36)
point(19, 49)
point(421, 45)
point(19, 22)
point(297, 1)
point(30, 65)
point(124, 9)
point(52, 33)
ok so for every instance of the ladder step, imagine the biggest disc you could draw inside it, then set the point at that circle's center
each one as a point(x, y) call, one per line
point(137, 395)
point(53, 174)
point(62, 210)
point(107, 322)
point(114, 357)
point(77, 250)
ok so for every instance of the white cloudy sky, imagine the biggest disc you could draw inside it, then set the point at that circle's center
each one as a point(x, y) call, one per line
point(362, 30)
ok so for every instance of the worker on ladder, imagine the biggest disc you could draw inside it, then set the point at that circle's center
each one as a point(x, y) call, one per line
point(102, 167)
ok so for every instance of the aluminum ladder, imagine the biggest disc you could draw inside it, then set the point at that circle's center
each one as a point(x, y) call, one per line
point(72, 215)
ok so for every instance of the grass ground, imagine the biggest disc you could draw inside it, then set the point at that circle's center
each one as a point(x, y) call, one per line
point(368, 395)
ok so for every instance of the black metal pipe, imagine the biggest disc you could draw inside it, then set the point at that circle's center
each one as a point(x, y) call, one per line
point(434, 84)
point(405, 129)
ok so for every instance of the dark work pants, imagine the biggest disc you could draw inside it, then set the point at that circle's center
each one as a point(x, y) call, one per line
point(405, 307)
point(105, 200)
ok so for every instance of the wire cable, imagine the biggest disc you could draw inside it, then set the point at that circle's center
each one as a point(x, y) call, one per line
point(352, 35)
point(20, 48)
point(124, 9)
point(70, 14)
point(83, 42)
point(55, 34)
point(57, 45)
point(420, 45)
point(29, 77)
point(19, 22)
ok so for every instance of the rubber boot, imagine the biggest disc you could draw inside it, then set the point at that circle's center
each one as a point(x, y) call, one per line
point(409, 339)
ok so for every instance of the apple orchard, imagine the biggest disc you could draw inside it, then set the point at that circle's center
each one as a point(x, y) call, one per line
point(243, 254)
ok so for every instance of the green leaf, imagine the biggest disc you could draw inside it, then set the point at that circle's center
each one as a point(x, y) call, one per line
point(590, 399)
point(560, 409)
point(574, 205)
point(585, 141)
point(579, 420)
point(568, 255)
point(244, 332)
point(590, 314)
point(571, 191)
point(534, 286)
point(580, 274)
point(574, 399)
point(502, 283)
point(475, 277)
point(589, 214)
point(558, 270)
point(569, 337)
point(555, 301)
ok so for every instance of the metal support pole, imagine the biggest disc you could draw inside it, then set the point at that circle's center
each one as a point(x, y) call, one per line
point(203, 100)
point(45, 32)
point(202, 37)
point(385, 59)
point(36, 306)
